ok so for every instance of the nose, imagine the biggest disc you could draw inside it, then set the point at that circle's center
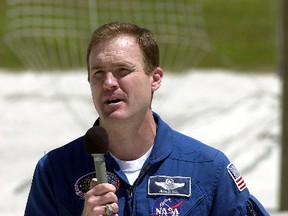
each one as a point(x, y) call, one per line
point(110, 82)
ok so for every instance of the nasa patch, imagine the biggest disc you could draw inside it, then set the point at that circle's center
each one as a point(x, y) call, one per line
point(82, 185)
point(166, 206)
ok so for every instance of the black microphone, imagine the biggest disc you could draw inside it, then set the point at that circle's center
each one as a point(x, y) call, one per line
point(97, 144)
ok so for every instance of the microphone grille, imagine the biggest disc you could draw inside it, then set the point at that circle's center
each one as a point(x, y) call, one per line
point(96, 140)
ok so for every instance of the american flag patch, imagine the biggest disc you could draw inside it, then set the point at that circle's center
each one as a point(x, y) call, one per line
point(238, 179)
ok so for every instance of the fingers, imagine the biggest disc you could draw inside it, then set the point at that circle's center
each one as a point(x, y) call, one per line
point(103, 199)
point(111, 209)
point(93, 183)
point(98, 189)
point(108, 209)
point(102, 210)
point(100, 199)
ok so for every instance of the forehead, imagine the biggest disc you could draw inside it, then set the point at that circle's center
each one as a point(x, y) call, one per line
point(121, 42)
point(121, 47)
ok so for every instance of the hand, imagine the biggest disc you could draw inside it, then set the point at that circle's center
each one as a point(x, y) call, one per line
point(98, 197)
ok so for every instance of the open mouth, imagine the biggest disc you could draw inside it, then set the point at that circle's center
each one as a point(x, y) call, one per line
point(113, 101)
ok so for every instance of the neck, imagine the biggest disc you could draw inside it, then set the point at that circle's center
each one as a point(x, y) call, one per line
point(131, 140)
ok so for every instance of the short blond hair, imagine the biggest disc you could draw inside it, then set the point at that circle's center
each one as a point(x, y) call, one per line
point(144, 38)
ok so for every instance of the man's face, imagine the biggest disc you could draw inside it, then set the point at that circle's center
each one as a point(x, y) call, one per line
point(120, 88)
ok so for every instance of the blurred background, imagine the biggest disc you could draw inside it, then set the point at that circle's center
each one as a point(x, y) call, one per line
point(222, 58)
point(49, 35)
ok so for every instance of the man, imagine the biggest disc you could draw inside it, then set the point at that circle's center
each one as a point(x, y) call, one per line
point(152, 169)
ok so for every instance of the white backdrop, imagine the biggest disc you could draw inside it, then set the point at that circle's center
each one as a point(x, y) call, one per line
point(235, 112)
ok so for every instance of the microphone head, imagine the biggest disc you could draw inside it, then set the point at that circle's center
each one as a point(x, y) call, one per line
point(96, 140)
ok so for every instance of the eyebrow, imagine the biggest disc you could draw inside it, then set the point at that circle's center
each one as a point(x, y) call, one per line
point(116, 64)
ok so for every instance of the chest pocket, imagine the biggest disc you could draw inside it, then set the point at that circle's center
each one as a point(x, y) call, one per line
point(197, 204)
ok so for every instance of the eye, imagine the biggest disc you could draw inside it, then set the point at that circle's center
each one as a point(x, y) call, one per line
point(123, 71)
point(98, 73)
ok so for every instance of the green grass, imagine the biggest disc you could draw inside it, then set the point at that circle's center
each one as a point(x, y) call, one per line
point(7, 59)
point(241, 33)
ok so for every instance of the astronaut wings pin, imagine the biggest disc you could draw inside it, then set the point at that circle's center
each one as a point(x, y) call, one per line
point(169, 185)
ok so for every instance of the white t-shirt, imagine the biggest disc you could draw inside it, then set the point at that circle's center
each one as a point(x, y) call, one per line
point(132, 168)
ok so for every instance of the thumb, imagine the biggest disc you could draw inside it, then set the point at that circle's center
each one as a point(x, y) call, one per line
point(93, 183)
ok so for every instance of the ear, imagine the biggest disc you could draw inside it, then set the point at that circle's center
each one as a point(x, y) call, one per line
point(156, 78)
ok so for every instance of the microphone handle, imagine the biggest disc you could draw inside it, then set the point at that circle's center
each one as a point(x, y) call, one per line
point(100, 167)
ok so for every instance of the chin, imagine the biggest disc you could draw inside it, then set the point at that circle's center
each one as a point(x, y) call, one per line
point(116, 116)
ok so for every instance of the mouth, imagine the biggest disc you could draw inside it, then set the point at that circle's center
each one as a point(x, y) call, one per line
point(113, 101)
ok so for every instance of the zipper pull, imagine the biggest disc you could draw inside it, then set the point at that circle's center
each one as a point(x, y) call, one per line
point(130, 191)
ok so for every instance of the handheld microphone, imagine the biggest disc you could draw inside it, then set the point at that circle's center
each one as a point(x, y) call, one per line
point(97, 144)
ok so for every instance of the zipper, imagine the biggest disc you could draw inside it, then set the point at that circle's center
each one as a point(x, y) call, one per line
point(251, 209)
point(130, 199)
point(131, 188)
point(143, 171)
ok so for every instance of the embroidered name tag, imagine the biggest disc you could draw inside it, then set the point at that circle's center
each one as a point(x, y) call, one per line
point(169, 185)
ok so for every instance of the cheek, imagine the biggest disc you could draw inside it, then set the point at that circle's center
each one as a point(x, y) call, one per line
point(95, 94)
point(137, 89)
point(95, 86)
point(93, 82)
point(142, 92)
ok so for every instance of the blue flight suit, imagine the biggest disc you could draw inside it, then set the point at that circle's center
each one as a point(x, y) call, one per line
point(182, 176)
